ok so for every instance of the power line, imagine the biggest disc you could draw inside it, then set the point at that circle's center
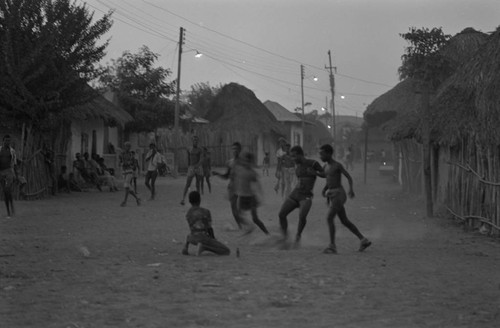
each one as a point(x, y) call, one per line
point(259, 48)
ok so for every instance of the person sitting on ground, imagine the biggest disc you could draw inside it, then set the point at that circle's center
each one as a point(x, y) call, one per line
point(201, 231)
point(74, 185)
point(79, 172)
point(63, 180)
point(104, 173)
point(91, 174)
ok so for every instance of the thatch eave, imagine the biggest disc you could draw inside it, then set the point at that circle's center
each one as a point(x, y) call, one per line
point(100, 108)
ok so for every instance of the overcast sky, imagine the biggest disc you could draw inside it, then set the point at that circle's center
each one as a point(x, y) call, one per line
point(262, 43)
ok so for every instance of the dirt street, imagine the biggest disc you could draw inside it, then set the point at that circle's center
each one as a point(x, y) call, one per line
point(80, 260)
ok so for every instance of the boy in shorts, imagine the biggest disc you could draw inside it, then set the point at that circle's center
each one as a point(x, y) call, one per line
point(336, 196)
point(248, 189)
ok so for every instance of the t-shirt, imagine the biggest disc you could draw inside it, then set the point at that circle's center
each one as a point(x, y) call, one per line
point(199, 219)
point(153, 161)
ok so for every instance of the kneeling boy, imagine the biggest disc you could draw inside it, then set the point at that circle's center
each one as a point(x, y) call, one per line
point(202, 233)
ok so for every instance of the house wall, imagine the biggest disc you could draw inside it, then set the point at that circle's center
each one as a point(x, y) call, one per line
point(82, 140)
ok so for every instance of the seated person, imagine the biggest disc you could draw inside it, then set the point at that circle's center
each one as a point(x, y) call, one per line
point(63, 180)
point(74, 185)
point(105, 175)
point(200, 225)
point(91, 171)
point(79, 173)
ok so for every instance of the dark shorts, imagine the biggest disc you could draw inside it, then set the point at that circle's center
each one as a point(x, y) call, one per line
point(246, 203)
point(336, 197)
point(7, 177)
point(298, 196)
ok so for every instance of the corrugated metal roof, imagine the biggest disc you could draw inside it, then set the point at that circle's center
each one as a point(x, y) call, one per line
point(281, 113)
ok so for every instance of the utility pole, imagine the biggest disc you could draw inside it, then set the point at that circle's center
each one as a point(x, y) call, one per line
point(177, 103)
point(332, 89)
point(302, 94)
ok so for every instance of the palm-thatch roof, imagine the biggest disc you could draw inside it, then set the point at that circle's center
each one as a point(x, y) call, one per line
point(470, 98)
point(98, 107)
point(237, 108)
point(396, 111)
point(462, 46)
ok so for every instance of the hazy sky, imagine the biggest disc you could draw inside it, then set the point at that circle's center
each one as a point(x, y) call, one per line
point(262, 43)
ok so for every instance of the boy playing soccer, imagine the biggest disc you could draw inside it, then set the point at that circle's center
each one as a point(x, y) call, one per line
point(200, 225)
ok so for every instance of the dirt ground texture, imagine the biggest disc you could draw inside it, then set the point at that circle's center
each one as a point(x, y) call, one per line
point(419, 272)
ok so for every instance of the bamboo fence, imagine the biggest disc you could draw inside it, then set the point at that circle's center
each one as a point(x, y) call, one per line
point(473, 185)
point(411, 166)
point(40, 158)
point(218, 143)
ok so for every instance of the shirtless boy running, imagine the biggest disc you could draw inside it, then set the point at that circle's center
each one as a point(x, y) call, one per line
point(336, 195)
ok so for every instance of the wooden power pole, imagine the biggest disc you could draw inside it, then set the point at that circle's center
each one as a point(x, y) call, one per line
point(177, 104)
point(332, 89)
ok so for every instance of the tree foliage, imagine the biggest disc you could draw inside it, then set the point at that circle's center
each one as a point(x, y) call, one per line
point(201, 96)
point(423, 59)
point(142, 89)
point(48, 52)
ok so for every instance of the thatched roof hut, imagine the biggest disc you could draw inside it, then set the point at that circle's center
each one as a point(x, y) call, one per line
point(469, 100)
point(237, 108)
point(396, 111)
point(99, 107)
point(236, 114)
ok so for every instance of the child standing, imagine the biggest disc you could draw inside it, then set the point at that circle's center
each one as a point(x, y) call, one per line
point(206, 165)
point(265, 164)
point(200, 225)
point(135, 172)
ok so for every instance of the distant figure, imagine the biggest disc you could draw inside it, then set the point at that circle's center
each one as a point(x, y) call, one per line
point(194, 168)
point(287, 172)
point(8, 173)
point(153, 158)
point(128, 162)
point(383, 159)
point(201, 231)
point(349, 158)
point(111, 148)
point(206, 165)
point(336, 196)
point(279, 155)
point(248, 189)
point(266, 163)
point(135, 173)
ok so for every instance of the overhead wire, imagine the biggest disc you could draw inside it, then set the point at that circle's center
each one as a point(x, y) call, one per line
point(224, 54)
